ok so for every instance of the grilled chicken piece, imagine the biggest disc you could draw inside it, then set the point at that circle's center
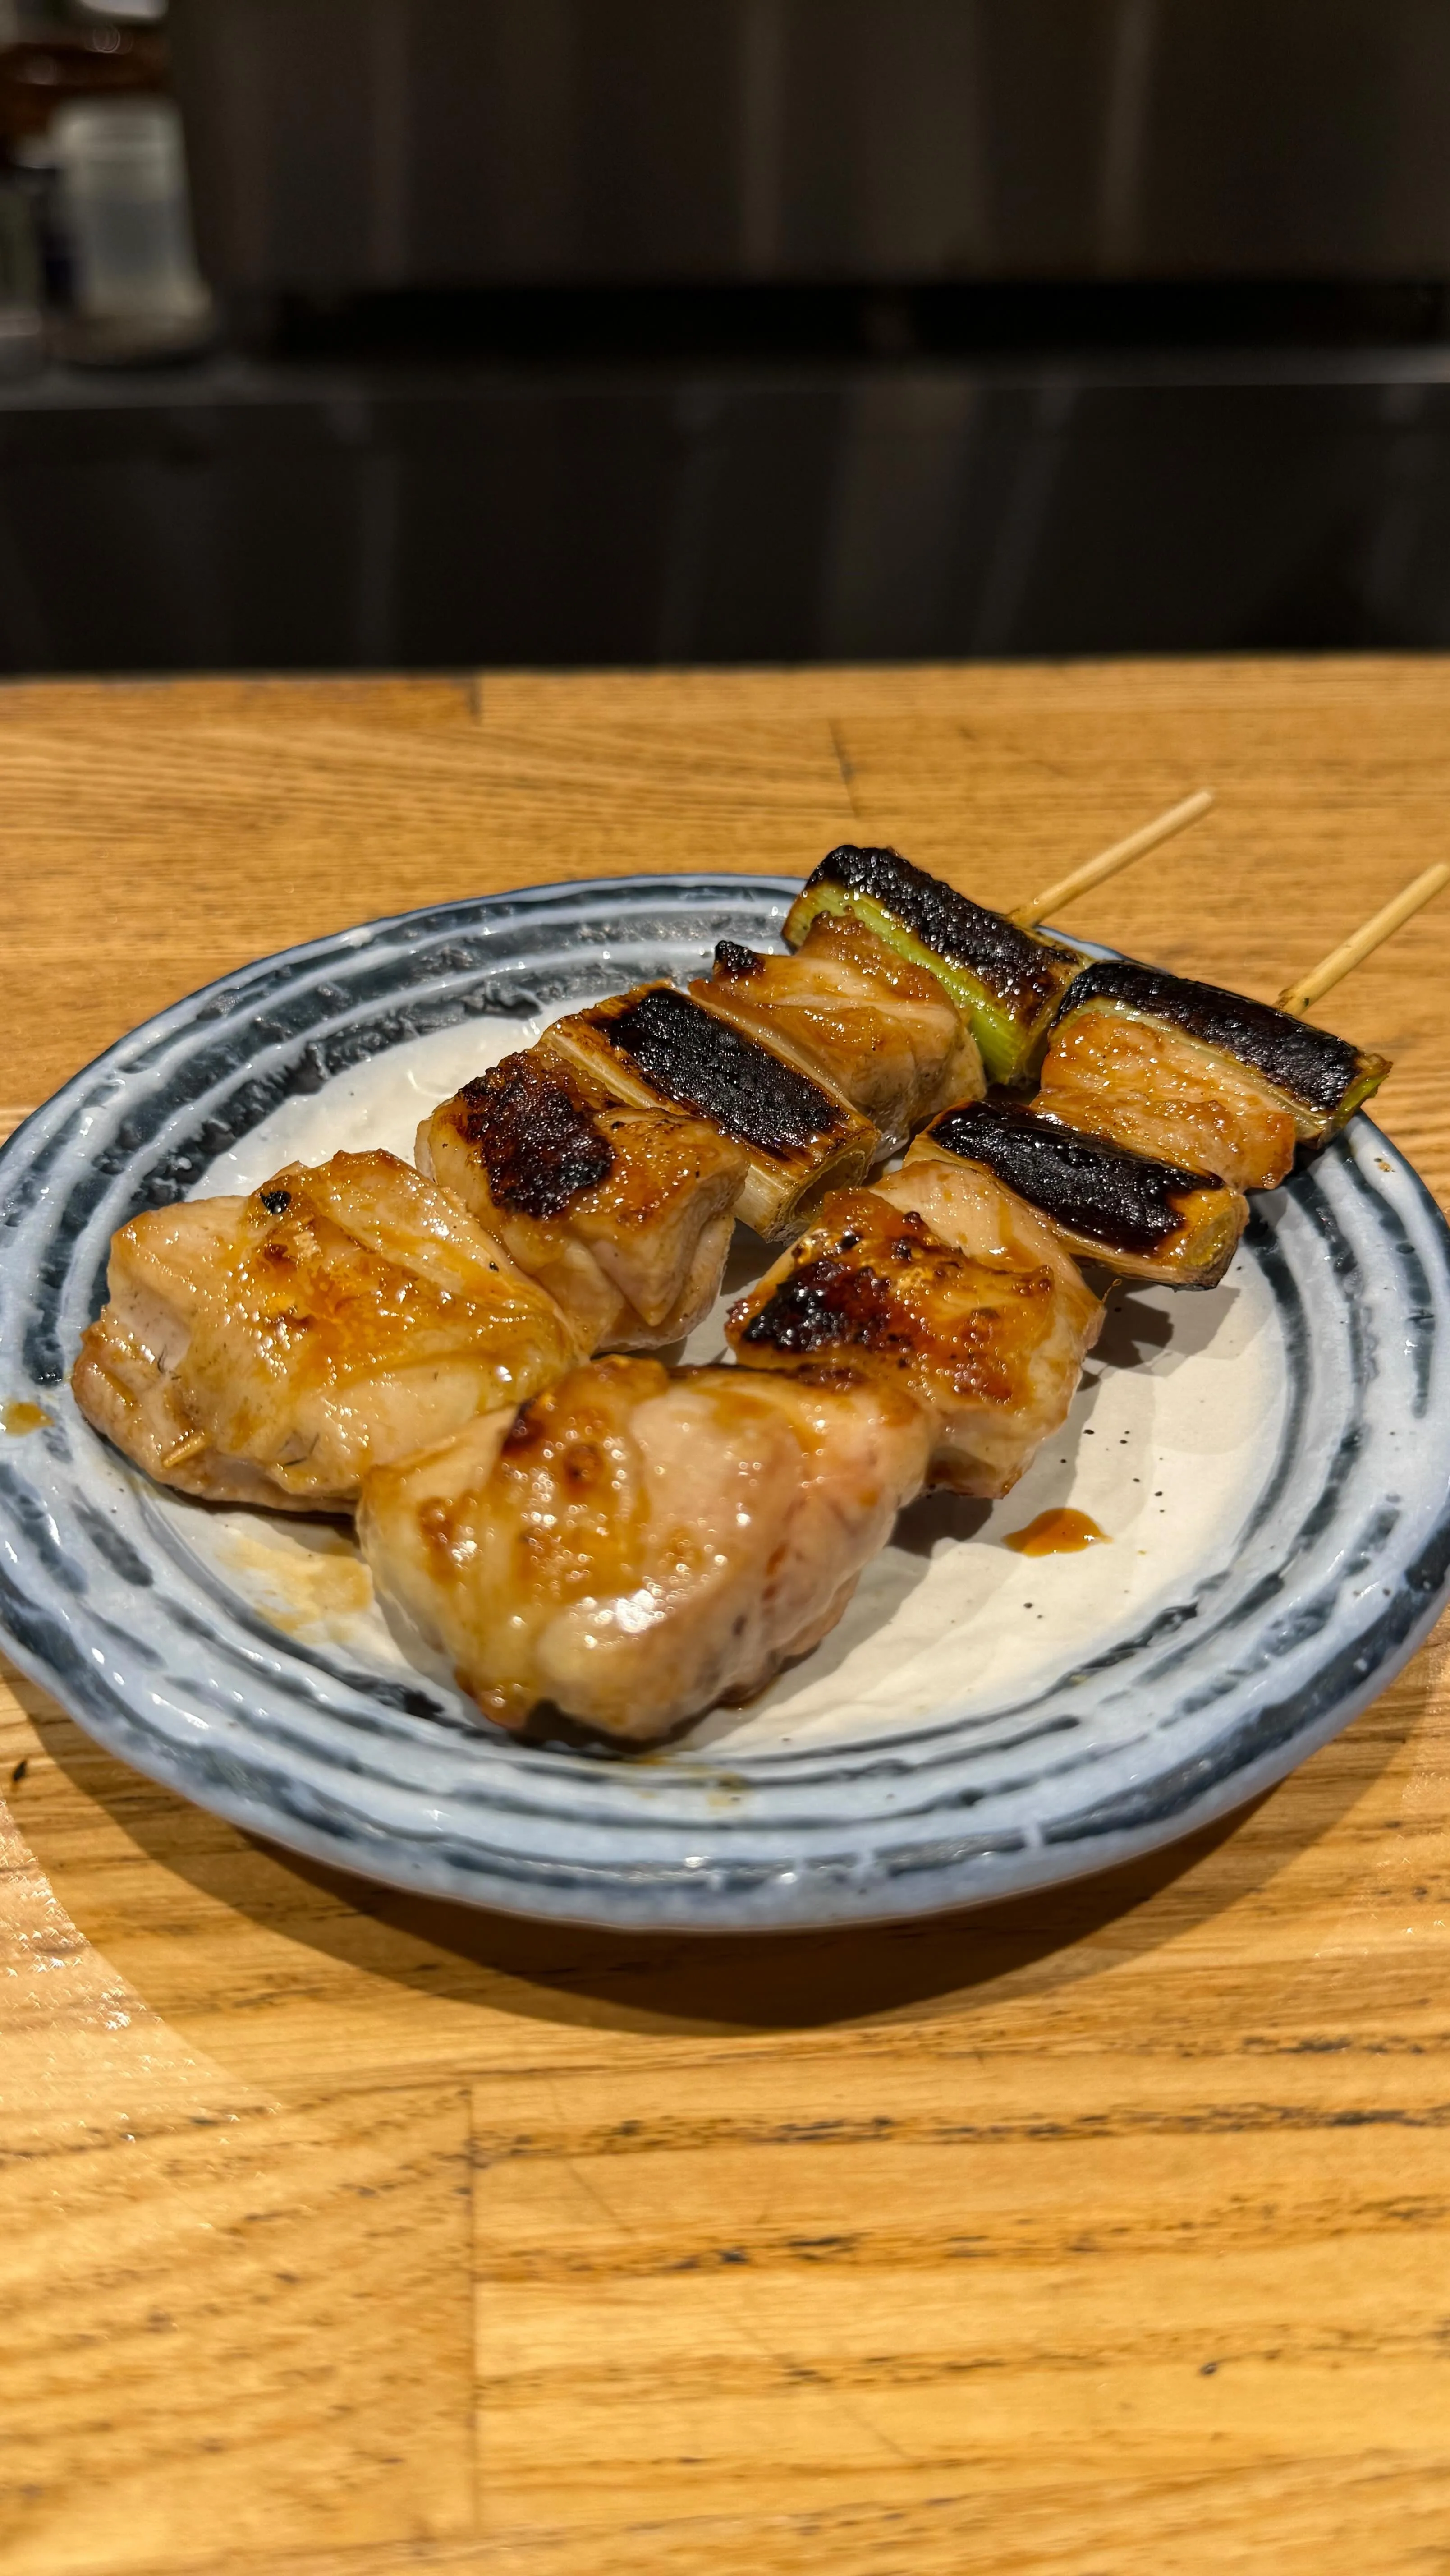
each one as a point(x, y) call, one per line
point(1140, 1218)
point(883, 1031)
point(1005, 982)
point(941, 1283)
point(660, 1048)
point(1161, 1093)
point(623, 1214)
point(1197, 1075)
point(270, 1349)
point(640, 1543)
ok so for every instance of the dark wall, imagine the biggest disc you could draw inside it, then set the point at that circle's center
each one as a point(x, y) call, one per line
point(280, 518)
point(346, 143)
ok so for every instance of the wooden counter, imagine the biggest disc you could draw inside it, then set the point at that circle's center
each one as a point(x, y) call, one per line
point(1106, 2232)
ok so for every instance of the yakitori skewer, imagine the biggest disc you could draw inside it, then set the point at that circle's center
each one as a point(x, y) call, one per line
point(1205, 1077)
point(598, 1157)
point(1128, 1211)
point(1006, 978)
point(363, 1326)
point(1361, 943)
point(1094, 872)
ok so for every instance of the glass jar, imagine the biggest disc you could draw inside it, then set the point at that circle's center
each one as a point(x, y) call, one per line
point(122, 165)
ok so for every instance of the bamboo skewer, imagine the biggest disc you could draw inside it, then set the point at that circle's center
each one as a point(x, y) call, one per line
point(1121, 855)
point(1296, 998)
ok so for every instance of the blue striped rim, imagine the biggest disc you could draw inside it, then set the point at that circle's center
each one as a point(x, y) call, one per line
point(1337, 1569)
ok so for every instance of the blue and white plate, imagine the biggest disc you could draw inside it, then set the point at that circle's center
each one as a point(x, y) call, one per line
point(1271, 1462)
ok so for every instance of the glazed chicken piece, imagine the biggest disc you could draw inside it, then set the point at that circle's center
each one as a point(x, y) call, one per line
point(640, 1543)
point(1157, 1091)
point(883, 1031)
point(1197, 1075)
point(657, 1047)
point(940, 1282)
point(270, 1349)
point(623, 1214)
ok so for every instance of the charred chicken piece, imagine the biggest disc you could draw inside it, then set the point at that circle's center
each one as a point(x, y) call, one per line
point(1197, 1075)
point(660, 1048)
point(1141, 1218)
point(639, 1543)
point(270, 1349)
point(1005, 982)
point(623, 1214)
point(966, 1303)
point(884, 1032)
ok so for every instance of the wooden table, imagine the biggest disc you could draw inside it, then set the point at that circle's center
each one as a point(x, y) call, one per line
point(1108, 2231)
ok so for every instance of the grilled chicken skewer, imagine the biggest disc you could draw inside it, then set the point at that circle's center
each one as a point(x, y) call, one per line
point(939, 1281)
point(657, 1047)
point(638, 1543)
point(271, 1349)
point(1137, 1216)
point(1198, 1075)
point(624, 1214)
point(881, 1030)
point(1006, 982)
point(1185, 1072)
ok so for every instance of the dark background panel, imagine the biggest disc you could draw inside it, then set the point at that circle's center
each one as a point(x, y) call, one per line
point(676, 516)
point(615, 331)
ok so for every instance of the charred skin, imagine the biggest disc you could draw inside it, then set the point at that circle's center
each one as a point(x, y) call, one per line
point(1320, 1079)
point(991, 1348)
point(882, 1032)
point(1007, 983)
point(639, 1543)
point(534, 1133)
point(623, 1214)
point(657, 1046)
point(1142, 1218)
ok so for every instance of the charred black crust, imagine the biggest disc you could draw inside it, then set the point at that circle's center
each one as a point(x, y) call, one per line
point(734, 964)
point(702, 1064)
point(535, 1134)
point(826, 1305)
point(1105, 1192)
point(1308, 1064)
point(1024, 972)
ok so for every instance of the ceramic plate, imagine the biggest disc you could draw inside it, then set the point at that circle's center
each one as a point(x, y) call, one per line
point(1271, 1462)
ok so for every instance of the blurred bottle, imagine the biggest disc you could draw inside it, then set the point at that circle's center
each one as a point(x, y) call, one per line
point(92, 141)
point(136, 291)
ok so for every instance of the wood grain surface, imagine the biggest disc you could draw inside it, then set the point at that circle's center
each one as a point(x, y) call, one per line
point(1106, 2232)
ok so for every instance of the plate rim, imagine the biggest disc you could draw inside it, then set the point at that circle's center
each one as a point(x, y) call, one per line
point(634, 1901)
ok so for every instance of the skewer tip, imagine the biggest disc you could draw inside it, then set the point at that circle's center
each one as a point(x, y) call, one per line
point(1121, 855)
point(1351, 952)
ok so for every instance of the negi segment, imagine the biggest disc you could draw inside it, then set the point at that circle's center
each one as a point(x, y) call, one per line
point(936, 1282)
point(1006, 982)
point(883, 1032)
point(1143, 1218)
point(624, 1214)
point(656, 1046)
point(1199, 1075)
point(638, 1543)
